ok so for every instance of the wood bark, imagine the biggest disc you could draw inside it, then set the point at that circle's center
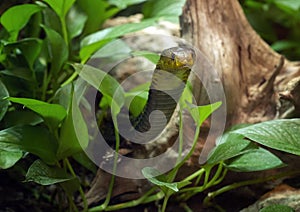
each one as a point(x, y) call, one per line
point(251, 72)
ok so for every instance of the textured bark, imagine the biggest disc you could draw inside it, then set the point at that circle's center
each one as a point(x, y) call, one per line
point(250, 70)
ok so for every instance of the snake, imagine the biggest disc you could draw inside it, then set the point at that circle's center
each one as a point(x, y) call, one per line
point(168, 82)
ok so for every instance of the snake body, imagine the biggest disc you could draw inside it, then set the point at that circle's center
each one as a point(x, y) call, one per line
point(168, 82)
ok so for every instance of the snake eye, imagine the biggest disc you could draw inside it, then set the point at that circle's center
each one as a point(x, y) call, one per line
point(173, 56)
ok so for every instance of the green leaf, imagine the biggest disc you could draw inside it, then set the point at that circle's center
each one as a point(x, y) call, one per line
point(74, 133)
point(284, 45)
point(254, 160)
point(288, 4)
point(61, 7)
point(71, 186)
point(89, 43)
point(281, 134)
point(227, 136)
point(36, 140)
point(9, 158)
point(97, 12)
point(155, 177)
point(163, 9)
point(43, 174)
point(18, 72)
point(227, 150)
point(3, 100)
point(102, 81)
point(277, 208)
point(86, 52)
point(187, 96)
point(85, 161)
point(136, 101)
point(57, 48)
point(16, 17)
point(201, 113)
point(53, 114)
point(136, 98)
point(123, 4)
point(113, 52)
point(152, 57)
point(30, 48)
point(50, 18)
point(23, 117)
point(75, 28)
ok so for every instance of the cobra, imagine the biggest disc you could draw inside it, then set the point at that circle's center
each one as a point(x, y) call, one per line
point(168, 82)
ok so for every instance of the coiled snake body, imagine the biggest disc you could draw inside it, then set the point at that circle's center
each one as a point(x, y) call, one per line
point(168, 82)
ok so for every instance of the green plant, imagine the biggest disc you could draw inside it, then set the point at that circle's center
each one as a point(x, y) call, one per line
point(277, 22)
point(42, 51)
point(41, 43)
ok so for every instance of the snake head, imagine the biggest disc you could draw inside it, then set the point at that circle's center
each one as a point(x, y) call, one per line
point(176, 59)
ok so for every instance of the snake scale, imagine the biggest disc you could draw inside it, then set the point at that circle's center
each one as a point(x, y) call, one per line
point(168, 82)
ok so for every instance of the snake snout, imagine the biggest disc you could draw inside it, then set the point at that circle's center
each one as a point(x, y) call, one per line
point(177, 58)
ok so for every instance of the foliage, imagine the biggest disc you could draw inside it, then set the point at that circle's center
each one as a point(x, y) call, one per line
point(277, 22)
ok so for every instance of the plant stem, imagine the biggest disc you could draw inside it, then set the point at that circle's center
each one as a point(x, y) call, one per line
point(165, 202)
point(244, 183)
point(142, 200)
point(195, 174)
point(85, 205)
point(64, 30)
point(112, 181)
point(174, 171)
point(216, 176)
point(70, 79)
point(186, 207)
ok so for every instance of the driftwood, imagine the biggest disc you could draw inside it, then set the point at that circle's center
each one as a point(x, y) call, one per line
point(251, 72)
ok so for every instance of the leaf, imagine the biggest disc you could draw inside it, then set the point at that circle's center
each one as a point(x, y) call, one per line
point(30, 48)
point(116, 48)
point(152, 175)
point(19, 72)
point(43, 174)
point(281, 134)
point(277, 208)
point(9, 158)
point(136, 101)
point(53, 114)
point(227, 150)
point(97, 12)
point(74, 133)
point(284, 45)
point(71, 186)
point(152, 57)
point(163, 9)
point(85, 161)
point(201, 113)
point(57, 48)
point(16, 17)
point(123, 4)
point(89, 43)
point(227, 136)
point(23, 117)
point(102, 81)
point(288, 4)
point(61, 7)
point(187, 96)
point(3, 100)
point(75, 28)
point(36, 140)
point(254, 160)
